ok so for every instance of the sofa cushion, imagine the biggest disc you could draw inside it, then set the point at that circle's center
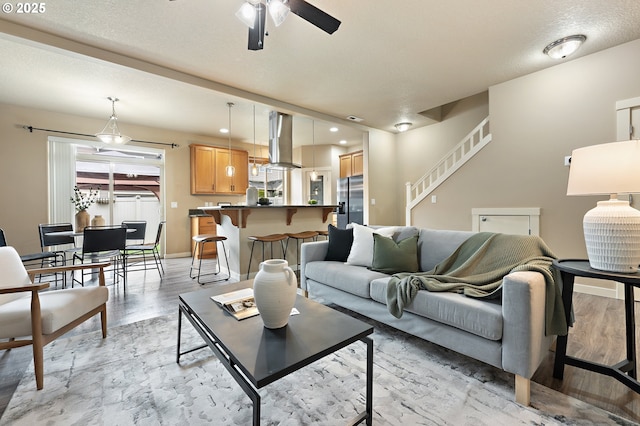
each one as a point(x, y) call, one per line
point(340, 241)
point(349, 278)
point(436, 245)
point(391, 257)
point(361, 253)
point(480, 317)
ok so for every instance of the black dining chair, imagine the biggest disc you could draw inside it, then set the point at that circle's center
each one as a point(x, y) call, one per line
point(145, 251)
point(102, 243)
point(60, 237)
point(42, 259)
point(136, 231)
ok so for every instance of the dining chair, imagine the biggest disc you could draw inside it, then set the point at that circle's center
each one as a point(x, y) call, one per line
point(102, 243)
point(136, 230)
point(59, 236)
point(146, 250)
point(31, 259)
point(30, 316)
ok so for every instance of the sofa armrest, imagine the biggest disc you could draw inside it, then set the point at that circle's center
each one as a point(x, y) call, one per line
point(524, 343)
point(311, 252)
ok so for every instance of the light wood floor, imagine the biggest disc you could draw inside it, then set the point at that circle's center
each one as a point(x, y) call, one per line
point(598, 335)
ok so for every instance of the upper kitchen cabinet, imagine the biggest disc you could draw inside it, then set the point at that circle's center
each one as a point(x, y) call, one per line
point(351, 164)
point(208, 164)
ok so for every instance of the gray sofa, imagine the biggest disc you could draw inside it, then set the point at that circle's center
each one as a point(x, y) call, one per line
point(508, 334)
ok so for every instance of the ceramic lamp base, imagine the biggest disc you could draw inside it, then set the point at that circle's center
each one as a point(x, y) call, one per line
point(612, 236)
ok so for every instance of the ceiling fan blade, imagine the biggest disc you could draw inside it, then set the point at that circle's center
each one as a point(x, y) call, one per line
point(256, 34)
point(314, 15)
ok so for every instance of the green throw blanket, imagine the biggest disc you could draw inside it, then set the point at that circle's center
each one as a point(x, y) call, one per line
point(477, 268)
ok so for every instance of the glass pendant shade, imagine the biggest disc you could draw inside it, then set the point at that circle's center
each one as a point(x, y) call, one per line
point(278, 11)
point(247, 14)
point(254, 170)
point(230, 170)
point(314, 175)
point(111, 133)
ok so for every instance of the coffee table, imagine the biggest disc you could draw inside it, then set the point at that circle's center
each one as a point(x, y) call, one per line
point(256, 356)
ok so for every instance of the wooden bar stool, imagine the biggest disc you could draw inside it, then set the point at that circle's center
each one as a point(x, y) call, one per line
point(299, 237)
point(266, 239)
point(201, 240)
point(324, 234)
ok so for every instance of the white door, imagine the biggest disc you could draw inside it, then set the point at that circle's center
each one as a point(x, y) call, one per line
point(513, 224)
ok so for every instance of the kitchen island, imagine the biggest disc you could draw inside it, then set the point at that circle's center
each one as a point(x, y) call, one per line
point(238, 223)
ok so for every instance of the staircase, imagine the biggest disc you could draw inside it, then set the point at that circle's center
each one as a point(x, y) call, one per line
point(452, 161)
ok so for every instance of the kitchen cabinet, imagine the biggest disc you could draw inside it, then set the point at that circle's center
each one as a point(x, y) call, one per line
point(351, 164)
point(203, 225)
point(208, 174)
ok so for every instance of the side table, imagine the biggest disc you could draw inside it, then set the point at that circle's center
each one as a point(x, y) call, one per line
point(626, 370)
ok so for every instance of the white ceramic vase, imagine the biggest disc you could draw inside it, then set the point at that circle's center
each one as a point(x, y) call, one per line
point(274, 289)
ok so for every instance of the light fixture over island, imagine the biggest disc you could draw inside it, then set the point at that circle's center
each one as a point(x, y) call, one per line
point(238, 223)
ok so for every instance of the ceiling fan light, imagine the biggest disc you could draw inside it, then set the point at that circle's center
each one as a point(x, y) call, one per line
point(564, 47)
point(247, 14)
point(278, 11)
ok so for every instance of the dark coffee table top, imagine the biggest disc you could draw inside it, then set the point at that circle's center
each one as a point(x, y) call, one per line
point(266, 355)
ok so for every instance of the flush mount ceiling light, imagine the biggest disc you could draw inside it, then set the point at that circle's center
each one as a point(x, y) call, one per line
point(564, 47)
point(252, 14)
point(404, 126)
point(111, 133)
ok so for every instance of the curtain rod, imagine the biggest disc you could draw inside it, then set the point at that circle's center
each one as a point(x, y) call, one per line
point(31, 129)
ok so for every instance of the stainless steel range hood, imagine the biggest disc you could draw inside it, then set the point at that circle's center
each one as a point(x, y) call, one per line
point(281, 141)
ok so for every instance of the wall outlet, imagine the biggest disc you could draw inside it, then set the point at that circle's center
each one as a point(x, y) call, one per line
point(373, 201)
point(434, 199)
point(174, 204)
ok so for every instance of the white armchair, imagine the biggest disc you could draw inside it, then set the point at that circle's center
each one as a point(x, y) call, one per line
point(31, 317)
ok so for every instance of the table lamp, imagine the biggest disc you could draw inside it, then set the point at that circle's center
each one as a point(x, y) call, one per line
point(612, 229)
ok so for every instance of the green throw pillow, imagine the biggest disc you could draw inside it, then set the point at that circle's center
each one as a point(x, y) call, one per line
point(391, 257)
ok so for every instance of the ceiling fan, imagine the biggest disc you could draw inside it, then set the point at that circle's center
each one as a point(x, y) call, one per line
point(253, 14)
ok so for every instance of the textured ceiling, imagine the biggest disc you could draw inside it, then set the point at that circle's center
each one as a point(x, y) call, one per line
point(175, 64)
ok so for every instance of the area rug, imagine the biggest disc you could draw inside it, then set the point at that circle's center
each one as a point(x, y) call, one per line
point(131, 378)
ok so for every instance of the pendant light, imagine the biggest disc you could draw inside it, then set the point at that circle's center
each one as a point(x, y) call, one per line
point(230, 170)
point(111, 133)
point(254, 169)
point(314, 174)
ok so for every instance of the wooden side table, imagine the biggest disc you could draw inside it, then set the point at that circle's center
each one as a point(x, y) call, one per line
point(626, 370)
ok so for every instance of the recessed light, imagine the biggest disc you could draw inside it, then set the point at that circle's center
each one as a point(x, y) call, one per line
point(333, 129)
point(224, 130)
point(343, 142)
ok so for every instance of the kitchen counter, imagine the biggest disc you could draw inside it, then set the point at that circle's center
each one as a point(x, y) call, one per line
point(240, 213)
point(238, 223)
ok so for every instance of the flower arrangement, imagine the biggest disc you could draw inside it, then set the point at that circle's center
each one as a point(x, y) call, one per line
point(83, 201)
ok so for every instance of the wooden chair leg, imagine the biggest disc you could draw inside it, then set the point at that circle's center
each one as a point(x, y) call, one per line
point(523, 390)
point(103, 320)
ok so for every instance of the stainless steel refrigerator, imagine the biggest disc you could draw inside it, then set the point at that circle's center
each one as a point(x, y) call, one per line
point(350, 201)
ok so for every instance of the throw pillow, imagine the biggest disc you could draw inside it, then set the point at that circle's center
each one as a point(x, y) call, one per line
point(340, 241)
point(391, 257)
point(361, 253)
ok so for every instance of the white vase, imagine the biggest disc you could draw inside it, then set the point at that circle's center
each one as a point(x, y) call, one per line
point(252, 196)
point(275, 288)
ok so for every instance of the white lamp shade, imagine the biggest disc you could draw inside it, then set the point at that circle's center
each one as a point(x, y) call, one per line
point(610, 168)
point(612, 229)
point(278, 12)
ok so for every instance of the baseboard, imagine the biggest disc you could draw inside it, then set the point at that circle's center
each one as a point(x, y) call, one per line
point(596, 291)
point(177, 255)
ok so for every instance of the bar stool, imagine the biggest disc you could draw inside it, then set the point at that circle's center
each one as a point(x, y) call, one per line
point(201, 240)
point(266, 239)
point(323, 233)
point(300, 237)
